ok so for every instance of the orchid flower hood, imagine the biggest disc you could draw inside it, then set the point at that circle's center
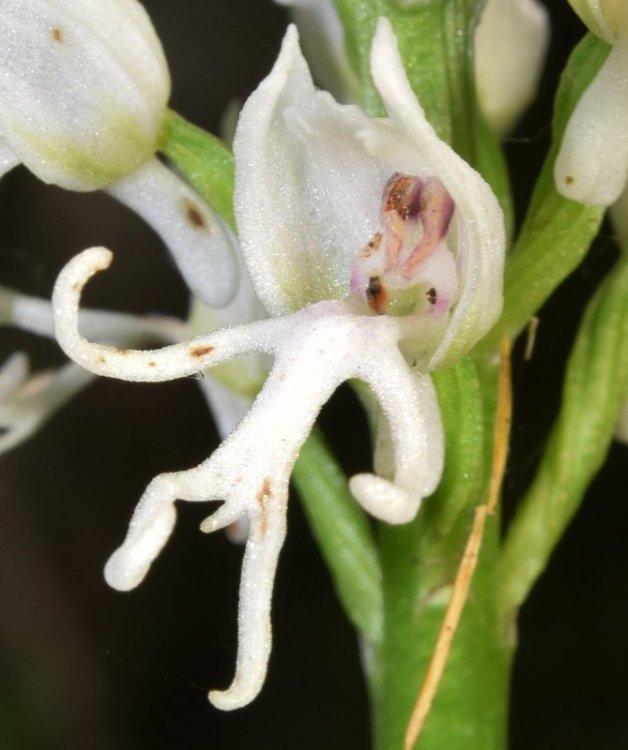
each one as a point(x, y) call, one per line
point(378, 255)
point(84, 86)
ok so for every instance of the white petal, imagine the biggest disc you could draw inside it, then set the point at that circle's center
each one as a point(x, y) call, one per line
point(592, 164)
point(199, 240)
point(511, 42)
point(12, 374)
point(607, 19)
point(265, 540)
point(418, 150)
point(24, 411)
point(83, 88)
point(415, 462)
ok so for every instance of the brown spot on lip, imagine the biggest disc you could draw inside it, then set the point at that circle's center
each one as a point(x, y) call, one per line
point(372, 245)
point(194, 215)
point(569, 180)
point(57, 34)
point(152, 364)
point(199, 351)
point(375, 294)
point(431, 296)
point(263, 496)
point(101, 360)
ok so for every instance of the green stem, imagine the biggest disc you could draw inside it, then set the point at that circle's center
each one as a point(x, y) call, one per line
point(470, 708)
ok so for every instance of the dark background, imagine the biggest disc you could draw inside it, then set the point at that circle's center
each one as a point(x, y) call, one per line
point(82, 666)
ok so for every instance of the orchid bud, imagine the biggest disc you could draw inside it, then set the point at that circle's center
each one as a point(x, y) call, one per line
point(592, 164)
point(607, 19)
point(511, 42)
point(83, 93)
point(83, 88)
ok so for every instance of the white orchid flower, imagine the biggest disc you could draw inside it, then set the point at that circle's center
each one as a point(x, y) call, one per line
point(592, 164)
point(83, 91)
point(28, 400)
point(378, 253)
point(511, 42)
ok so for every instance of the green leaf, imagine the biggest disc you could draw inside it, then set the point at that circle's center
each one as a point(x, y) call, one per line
point(204, 160)
point(557, 232)
point(343, 534)
point(596, 386)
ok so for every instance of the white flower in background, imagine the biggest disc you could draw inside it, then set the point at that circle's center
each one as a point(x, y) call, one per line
point(83, 91)
point(28, 400)
point(323, 41)
point(511, 42)
point(592, 164)
point(378, 252)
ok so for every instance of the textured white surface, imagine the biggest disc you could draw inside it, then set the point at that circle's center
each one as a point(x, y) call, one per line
point(309, 182)
point(315, 350)
point(83, 88)
point(592, 164)
point(198, 239)
point(310, 175)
